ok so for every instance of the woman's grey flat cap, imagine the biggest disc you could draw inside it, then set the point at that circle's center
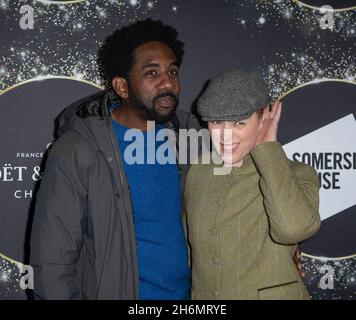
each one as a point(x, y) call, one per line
point(233, 96)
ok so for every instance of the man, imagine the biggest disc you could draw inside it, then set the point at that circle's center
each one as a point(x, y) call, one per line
point(105, 229)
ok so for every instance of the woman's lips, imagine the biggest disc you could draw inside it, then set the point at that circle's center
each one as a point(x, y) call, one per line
point(229, 147)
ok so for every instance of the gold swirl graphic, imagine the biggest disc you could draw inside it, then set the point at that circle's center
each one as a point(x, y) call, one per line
point(59, 2)
point(316, 82)
point(301, 3)
point(47, 78)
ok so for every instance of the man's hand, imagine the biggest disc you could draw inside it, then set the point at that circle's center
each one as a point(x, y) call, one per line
point(298, 261)
point(270, 121)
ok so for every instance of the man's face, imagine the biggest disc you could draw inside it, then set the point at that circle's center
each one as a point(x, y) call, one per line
point(154, 82)
point(234, 140)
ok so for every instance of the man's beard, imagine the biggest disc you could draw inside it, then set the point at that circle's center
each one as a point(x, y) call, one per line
point(152, 113)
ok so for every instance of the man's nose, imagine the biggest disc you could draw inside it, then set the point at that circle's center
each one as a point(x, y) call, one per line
point(166, 83)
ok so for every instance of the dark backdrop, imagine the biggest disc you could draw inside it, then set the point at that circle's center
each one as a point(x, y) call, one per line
point(312, 67)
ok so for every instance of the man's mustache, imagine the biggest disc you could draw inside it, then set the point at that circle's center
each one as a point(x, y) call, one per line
point(165, 94)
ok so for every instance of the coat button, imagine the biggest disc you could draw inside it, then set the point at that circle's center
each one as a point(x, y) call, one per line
point(216, 261)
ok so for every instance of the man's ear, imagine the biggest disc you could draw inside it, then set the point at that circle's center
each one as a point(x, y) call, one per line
point(121, 87)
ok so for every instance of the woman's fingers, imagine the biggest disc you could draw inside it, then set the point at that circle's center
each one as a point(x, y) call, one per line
point(275, 109)
point(278, 111)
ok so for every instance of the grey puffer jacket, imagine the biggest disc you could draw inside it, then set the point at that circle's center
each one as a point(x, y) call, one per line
point(83, 238)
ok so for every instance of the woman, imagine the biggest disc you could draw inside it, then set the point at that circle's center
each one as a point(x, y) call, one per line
point(243, 227)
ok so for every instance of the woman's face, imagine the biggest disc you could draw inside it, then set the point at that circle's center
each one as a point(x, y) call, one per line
point(234, 140)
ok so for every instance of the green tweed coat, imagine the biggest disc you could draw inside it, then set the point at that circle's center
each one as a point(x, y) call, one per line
point(243, 227)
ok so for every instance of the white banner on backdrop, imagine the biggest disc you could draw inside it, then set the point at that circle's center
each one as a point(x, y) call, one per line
point(331, 150)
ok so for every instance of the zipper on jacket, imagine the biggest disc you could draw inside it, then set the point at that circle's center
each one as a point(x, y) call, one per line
point(117, 157)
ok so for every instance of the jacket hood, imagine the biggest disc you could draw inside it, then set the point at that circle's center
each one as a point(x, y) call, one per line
point(96, 105)
point(83, 115)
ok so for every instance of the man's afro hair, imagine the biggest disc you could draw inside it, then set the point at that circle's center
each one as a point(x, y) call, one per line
point(116, 55)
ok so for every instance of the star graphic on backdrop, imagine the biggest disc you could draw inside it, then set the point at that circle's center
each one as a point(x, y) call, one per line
point(174, 9)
